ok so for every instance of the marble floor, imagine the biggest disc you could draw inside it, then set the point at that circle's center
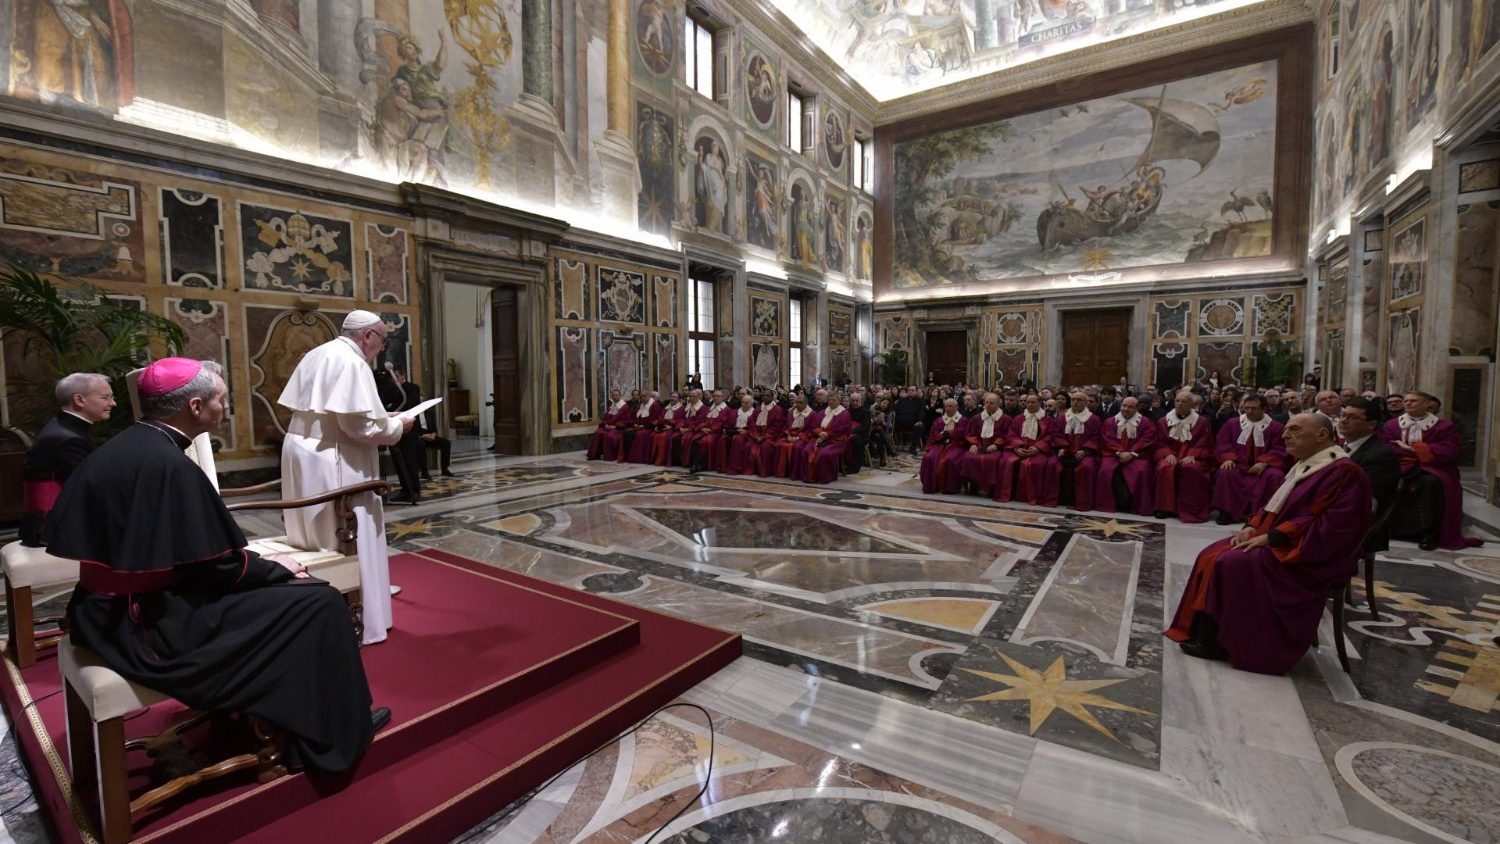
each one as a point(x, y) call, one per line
point(934, 668)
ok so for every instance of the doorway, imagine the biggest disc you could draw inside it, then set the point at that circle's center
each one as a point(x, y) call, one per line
point(1096, 346)
point(948, 356)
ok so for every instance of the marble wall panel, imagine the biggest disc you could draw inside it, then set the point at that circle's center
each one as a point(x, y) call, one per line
point(70, 222)
point(1168, 362)
point(206, 326)
point(1224, 357)
point(622, 296)
point(1275, 312)
point(1335, 291)
point(1221, 317)
point(1403, 351)
point(1479, 176)
point(664, 348)
point(838, 365)
point(387, 263)
point(765, 364)
point(573, 293)
point(1333, 359)
point(574, 373)
point(840, 318)
point(1408, 257)
point(765, 316)
point(623, 355)
point(398, 345)
point(894, 332)
point(1012, 328)
point(664, 300)
point(1172, 318)
point(1370, 331)
point(1473, 311)
point(294, 251)
point(192, 238)
point(1010, 365)
point(277, 339)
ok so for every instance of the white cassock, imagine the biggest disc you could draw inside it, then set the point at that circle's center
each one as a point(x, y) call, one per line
point(338, 425)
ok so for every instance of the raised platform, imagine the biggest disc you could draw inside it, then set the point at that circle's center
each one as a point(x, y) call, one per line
point(496, 681)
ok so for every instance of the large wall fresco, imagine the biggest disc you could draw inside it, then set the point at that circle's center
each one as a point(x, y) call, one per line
point(255, 278)
point(1174, 173)
point(904, 46)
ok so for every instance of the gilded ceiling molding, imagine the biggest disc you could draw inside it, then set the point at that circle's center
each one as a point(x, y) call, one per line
point(1205, 32)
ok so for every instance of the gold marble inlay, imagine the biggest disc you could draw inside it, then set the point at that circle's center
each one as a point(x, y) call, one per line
point(521, 525)
point(966, 615)
point(1050, 690)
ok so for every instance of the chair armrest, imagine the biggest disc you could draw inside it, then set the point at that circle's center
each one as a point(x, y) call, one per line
point(250, 490)
point(298, 503)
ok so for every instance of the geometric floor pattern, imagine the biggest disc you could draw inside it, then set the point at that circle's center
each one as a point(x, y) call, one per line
point(936, 668)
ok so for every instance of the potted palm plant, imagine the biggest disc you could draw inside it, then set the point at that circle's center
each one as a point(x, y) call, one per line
point(51, 328)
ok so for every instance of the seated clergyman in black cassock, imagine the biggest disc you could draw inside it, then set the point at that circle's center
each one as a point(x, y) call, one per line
point(170, 598)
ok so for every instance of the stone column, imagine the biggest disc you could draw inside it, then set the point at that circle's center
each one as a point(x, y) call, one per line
point(536, 48)
point(621, 173)
point(984, 24)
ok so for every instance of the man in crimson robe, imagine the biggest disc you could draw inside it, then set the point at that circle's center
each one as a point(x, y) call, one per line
point(84, 400)
point(1251, 462)
point(171, 599)
point(1079, 441)
point(782, 453)
point(770, 421)
point(987, 434)
point(1430, 501)
point(1126, 474)
point(739, 431)
point(691, 428)
point(706, 452)
point(824, 449)
point(1184, 471)
point(609, 436)
point(663, 439)
point(641, 426)
point(1256, 598)
point(1029, 469)
point(947, 449)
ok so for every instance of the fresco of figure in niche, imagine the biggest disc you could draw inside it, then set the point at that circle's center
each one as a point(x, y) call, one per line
point(762, 197)
point(78, 51)
point(1169, 174)
point(863, 246)
point(804, 224)
point(1422, 53)
point(1355, 150)
point(411, 127)
point(657, 205)
point(835, 233)
point(711, 185)
point(1382, 98)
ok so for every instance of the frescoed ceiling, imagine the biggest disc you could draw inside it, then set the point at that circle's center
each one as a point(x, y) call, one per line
point(894, 48)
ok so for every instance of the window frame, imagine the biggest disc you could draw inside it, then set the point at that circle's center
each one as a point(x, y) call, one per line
point(697, 28)
point(701, 329)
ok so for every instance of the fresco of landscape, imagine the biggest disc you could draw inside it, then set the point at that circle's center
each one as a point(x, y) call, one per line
point(1162, 175)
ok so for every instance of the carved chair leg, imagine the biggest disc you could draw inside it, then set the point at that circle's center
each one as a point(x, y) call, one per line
point(1370, 585)
point(80, 735)
point(271, 756)
point(1338, 634)
point(114, 794)
point(20, 623)
point(356, 613)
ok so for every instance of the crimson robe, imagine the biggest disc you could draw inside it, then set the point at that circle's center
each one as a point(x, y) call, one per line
point(1437, 455)
point(782, 454)
point(821, 461)
point(693, 426)
point(1237, 493)
point(982, 467)
point(764, 434)
point(1082, 471)
point(664, 441)
point(640, 432)
point(608, 437)
point(1268, 601)
point(943, 464)
point(741, 443)
point(1138, 474)
point(1185, 489)
point(714, 432)
point(1033, 479)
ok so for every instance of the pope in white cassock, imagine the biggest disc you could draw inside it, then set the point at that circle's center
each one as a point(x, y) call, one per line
point(338, 424)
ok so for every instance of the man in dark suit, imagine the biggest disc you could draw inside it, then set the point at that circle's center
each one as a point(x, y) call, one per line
point(1359, 425)
point(83, 399)
point(410, 453)
point(856, 455)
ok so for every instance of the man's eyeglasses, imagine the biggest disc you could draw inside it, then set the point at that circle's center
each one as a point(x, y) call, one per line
point(385, 338)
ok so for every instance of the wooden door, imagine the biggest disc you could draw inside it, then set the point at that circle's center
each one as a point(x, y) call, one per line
point(948, 356)
point(1096, 346)
point(505, 348)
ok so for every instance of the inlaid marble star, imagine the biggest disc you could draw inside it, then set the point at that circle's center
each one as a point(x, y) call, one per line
point(1112, 527)
point(1050, 690)
point(401, 530)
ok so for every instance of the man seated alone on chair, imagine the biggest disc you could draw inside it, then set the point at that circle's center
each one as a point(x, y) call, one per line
point(1255, 598)
point(83, 400)
point(170, 598)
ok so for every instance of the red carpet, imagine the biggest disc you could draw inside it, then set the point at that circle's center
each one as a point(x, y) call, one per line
point(496, 682)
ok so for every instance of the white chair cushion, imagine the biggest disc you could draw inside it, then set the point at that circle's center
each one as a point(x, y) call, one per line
point(106, 693)
point(34, 567)
point(340, 571)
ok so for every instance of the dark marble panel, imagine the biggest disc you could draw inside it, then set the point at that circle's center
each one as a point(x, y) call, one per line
point(192, 238)
point(834, 821)
point(750, 529)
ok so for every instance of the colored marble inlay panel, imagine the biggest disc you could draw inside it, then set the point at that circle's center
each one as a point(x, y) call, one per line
point(295, 251)
point(192, 239)
point(386, 253)
point(70, 223)
point(750, 529)
point(1087, 599)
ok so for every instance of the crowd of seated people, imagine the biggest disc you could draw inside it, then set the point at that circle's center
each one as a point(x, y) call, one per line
point(1210, 451)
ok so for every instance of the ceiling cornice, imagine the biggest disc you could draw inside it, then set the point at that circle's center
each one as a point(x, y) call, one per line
point(1204, 32)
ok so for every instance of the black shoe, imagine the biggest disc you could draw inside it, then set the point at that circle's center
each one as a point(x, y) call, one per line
point(426, 477)
point(1428, 544)
point(1161, 514)
point(380, 716)
point(1204, 650)
point(447, 474)
point(1221, 517)
point(415, 500)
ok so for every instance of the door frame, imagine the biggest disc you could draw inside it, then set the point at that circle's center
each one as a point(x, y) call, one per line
point(921, 327)
point(1137, 353)
point(1062, 317)
point(443, 265)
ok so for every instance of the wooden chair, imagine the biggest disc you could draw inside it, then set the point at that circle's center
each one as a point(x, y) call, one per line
point(1341, 593)
point(28, 570)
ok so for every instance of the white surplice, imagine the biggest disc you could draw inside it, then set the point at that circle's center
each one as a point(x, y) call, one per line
point(338, 425)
